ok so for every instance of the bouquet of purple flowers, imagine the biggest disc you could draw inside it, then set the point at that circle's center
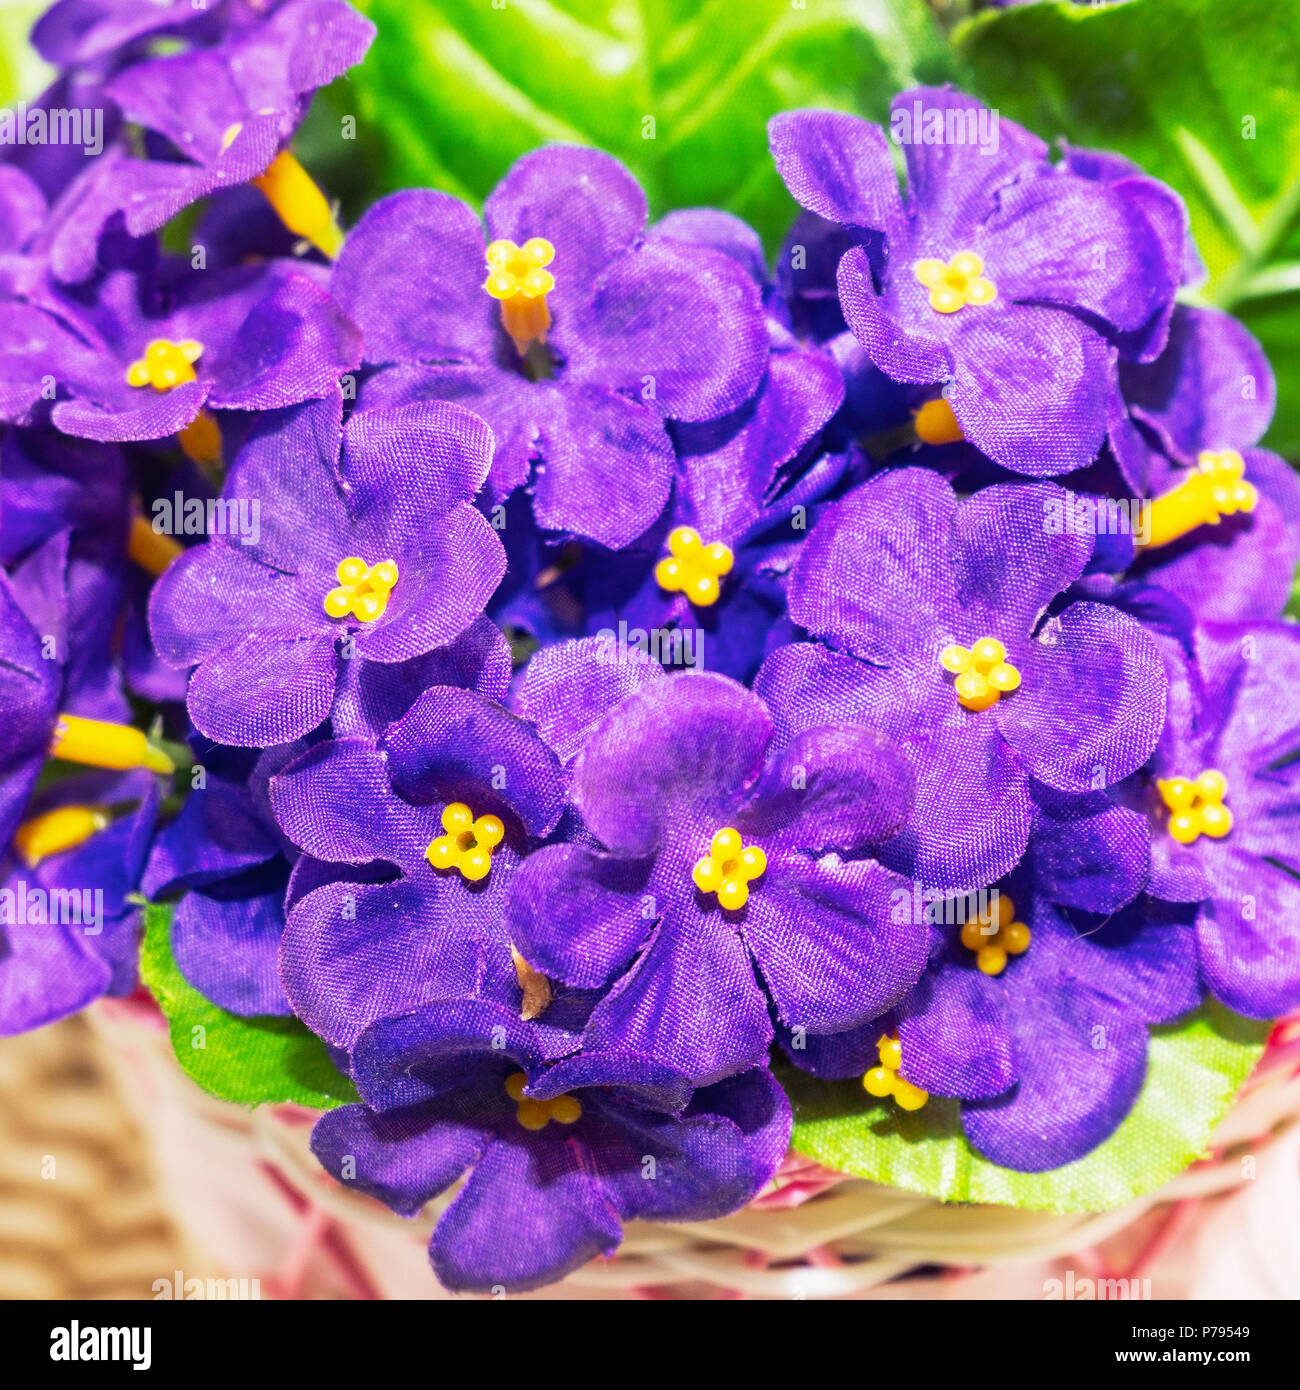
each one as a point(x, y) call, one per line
point(549, 690)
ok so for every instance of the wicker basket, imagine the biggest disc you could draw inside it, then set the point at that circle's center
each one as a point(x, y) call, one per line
point(245, 1188)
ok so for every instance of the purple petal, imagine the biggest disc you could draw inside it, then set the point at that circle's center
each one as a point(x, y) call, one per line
point(352, 954)
point(1081, 1062)
point(227, 946)
point(656, 1009)
point(608, 465)
point(410, 276)
point(954, 1034)
point(559, 1219)
point(584, 202)
point(1091, 704)
point(677, 751)
point(335, 803)
point(825, 940)
point(403, 1158)
point(579, 916)
point(687, 320)
point(264, 690)
point(837, 166)
point(455, 745)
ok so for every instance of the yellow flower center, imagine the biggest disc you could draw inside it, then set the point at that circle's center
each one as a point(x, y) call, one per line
point(884, 1080)
point(984, 675)
point(57, 831)
point(729, 868)
point(1196, 806)
point(362, 590)
point(1215, 488)
point(518, 279)
point(165, 365)
point(994, 936)
point(956, 282)
point(693, 568)
point(537, 1114)
point(468, 843)
point(935, 423)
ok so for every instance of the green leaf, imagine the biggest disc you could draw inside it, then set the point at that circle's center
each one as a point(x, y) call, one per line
point(1203, 94)
point(252, 1061)
point(22, 70)
point(453, 91)
point(1194, 1069)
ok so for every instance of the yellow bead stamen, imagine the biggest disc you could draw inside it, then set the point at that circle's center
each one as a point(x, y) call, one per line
point(299, 204)
point(363, 589)
point(97, 743)
point(693, 568)
point(56, 832)
point(984, 675)
point(994, 936)
point(1215, 488)
point(935, 423)
point(884, 1080)
point(165, 365)
point(468, 843)
point(518, 278)
point(1196, 806)
point(537, 1114)
point(150, 549)
point(728, 869)
point(956, 282)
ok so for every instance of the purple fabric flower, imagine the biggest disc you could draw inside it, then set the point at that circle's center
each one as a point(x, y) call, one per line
point(351, 956)
point(746, 482)
point(644, 330)
point(392, 486)
point(138, 358)
point(1235, 715)
point(992, 277)
point(674, 764)
point(899, 572)
point(1020, 1050)
point(68, 932)
point(225, 852)
point(54, 658)
point(559, 1157)
point(1210, 390)
point(216, 112)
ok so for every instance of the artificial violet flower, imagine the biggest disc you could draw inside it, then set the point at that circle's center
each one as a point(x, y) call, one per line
point(69, 923)
point(569, 330)
point(997, 275)
point(134, 357)
point(1223, 795)
point(558, 1157)
point(710, 567)
point(368, 550)
point(225, 852)
point(1017, 1045)
point(720, 860)
point(22, 214)
point(62, 695)
point(935, 616)
point(452, 798)
point(218, 112)
point(1223, 530)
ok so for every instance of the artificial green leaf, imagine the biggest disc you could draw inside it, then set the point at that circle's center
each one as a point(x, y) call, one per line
point(453, 91)
point(1194, 1069)
point(1203, 94)
point(253, 1061)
